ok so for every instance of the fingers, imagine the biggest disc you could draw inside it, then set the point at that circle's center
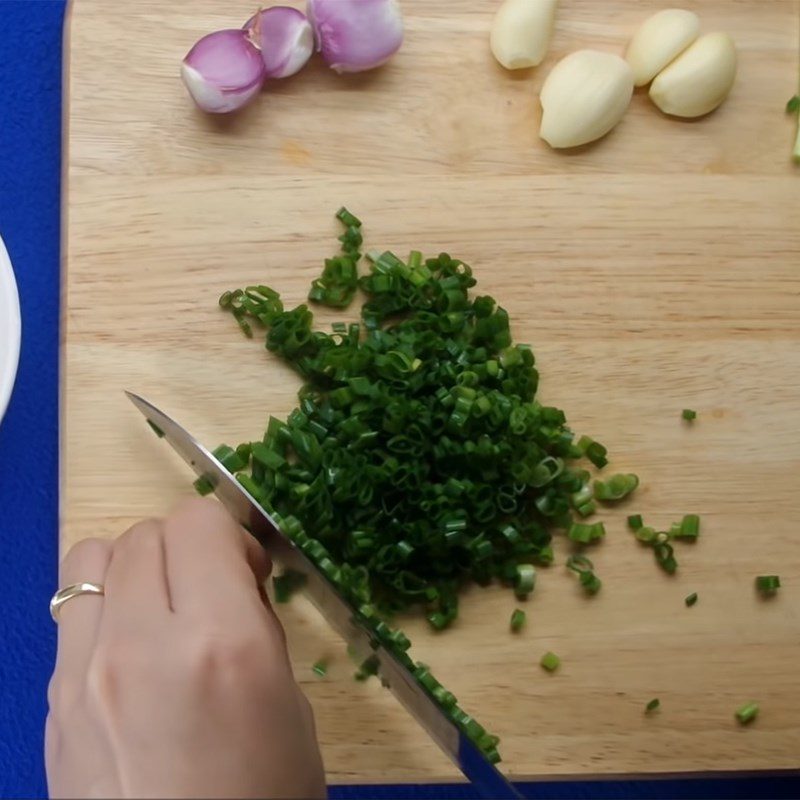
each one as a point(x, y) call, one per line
point(209, 561)
point(79, 619)
point(137, 594)
point(257, 558)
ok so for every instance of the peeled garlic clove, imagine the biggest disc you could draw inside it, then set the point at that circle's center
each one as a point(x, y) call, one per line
point(659, 40)
point(698, 80)
point(585, 95)
point(521, 32)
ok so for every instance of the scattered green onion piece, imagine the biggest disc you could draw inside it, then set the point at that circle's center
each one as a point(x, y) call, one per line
point(596, 453)
point(616, 488)
point(438, 620)
point(158, 432)
point(586, 534)
point(665, 557)
point(688, 528)
point(579, 564)
point(768, 584)
point(517, 620)
point(747, 713)
point(691, 599)
point(203, 486)
point(320, 668)
point(635, 522)
point(689, 415)
point(590, 582)
point(368, 668)
point(347, 219)
point(286, 584)
point(653, 705)
point(550, 661)
point(646, 534)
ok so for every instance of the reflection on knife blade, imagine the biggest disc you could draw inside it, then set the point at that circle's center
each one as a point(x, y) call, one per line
point(461, 737)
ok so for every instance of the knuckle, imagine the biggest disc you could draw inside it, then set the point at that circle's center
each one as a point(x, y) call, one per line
point(87, 556)
point(145, 535)
point(226, 660)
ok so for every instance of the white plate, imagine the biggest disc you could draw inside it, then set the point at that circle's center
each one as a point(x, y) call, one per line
point(10, 329)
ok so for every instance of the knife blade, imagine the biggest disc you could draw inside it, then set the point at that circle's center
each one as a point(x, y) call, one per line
point(337, 611)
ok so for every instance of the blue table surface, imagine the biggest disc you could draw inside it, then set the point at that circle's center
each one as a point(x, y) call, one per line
point(30, 186)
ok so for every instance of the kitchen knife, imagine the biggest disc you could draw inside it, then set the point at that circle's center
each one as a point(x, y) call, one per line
point(339, 613)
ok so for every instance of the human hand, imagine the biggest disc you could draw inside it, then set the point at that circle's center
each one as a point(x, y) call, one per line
point(177, 682)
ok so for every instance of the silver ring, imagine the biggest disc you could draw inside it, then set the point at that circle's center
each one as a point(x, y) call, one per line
point(68, 592)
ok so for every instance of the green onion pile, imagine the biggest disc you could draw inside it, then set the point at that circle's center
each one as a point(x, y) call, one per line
point(419, 458)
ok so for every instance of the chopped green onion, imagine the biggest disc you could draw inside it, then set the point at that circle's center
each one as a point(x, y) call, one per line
point(689, 415)
point(587, 509)
point(616, 488)
point(368, 668)
point(419, 457)
point(525, 580)
point(287, 584)
point(517, 620)
point(203, 486)
point(646, 534)
point(579, 564)
point(158, 432)
point(635, 522)
point(586, 534)
point(688, 528)
point(665, 558)
point(691, 599)
point(337, 285)
point(229, 458)
point(550, 662)
point(545, 556)
point(320, 668)
point(590, 582)
point(347, 219)
point(747, 713)
point(594, 451)
point(768, 584)
point(653, 705)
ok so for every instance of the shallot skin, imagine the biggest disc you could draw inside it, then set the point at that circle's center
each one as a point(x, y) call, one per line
point(285, 38)
point(223, 71)
point(356, 35)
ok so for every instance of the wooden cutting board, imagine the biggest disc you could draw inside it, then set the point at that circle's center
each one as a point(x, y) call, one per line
point(655, 270)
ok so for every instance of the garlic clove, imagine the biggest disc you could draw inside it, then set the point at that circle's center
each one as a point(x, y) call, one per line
point(698, 80)
point(585, 95)
point(521, 32)
point(659, 40)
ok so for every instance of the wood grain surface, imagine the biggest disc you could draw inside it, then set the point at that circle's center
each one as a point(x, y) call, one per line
point(655, 270)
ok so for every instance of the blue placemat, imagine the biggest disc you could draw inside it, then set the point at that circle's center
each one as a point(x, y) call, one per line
point(30, 164)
